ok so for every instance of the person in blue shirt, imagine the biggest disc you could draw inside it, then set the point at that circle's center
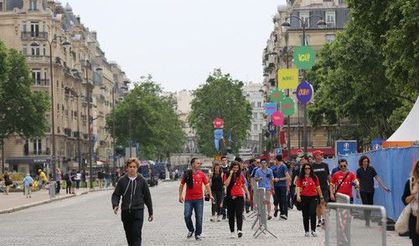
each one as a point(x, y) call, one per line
point(264, 177)
point(27, 184)
point(281, 186)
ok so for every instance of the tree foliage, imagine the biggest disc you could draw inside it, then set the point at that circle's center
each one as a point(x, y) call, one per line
point(148, 118)
point(22, 111)
point(221, 96)
point(369, 74)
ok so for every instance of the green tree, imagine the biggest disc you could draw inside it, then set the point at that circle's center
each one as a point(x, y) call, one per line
point(220, 96)
point(368, 76)
point(148, 118)
point(22, 111)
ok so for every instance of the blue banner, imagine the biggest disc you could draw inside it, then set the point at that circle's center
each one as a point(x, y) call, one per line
point(345, 147)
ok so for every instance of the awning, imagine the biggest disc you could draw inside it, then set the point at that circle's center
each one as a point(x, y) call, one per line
point(28, 160)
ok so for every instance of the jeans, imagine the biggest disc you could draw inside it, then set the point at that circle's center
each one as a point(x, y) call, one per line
point(281, 199)
point(198, 206)
point(57, 187)
point(235, 211)
point(133, 224)
point(291, 196)
point(309, 204)
point(28, 191)
point(368, 199)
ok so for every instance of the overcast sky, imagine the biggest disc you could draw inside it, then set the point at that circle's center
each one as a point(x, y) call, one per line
point(180, 42)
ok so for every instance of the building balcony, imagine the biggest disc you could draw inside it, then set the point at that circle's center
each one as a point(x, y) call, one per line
point(34, 36)
point(38, 59)
point(41, 83)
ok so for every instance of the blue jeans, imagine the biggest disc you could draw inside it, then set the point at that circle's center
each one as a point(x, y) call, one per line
point(198, 206)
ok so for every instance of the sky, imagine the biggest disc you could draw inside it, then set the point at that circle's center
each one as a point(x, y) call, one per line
point(180, 42)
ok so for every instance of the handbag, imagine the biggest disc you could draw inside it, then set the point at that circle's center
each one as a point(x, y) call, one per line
point(298, 205)
point(402, 223)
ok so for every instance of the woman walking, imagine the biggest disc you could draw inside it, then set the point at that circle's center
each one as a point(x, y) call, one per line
point(217, 191)
point(411, 195)
point(366, 175)
point(308, 188)
point(7, 182)
point(235, 184)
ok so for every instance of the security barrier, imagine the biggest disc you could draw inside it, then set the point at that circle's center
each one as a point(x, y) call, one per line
point(261, 217)
point(350, 225)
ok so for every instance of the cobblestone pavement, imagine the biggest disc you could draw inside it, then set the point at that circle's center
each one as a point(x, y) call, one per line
point(88, 220)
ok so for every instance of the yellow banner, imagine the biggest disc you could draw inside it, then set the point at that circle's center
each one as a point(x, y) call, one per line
point(287, 78)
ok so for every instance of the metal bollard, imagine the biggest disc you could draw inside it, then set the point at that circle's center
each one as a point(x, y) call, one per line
point(52, 191)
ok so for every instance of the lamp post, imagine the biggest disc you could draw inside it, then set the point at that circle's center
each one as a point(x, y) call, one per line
point(65, 44)
point(304, 24)
point(113, 125)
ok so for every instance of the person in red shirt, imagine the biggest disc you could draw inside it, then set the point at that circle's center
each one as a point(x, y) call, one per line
point(194, 198)
point(342, 181)
point(235, 184)
point(308, 191)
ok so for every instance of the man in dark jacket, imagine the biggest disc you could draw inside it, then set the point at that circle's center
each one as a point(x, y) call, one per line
point(134, 191)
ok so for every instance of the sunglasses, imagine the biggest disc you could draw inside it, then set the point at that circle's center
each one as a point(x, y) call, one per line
point(342, 166)
point(307, 168)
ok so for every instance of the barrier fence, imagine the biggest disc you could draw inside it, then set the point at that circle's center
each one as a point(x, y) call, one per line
point(261, 220)
point(350, 225)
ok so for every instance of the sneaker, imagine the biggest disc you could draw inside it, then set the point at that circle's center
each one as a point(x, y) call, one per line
point(224, 217)
point(283, 216)
point(307, 234)
point(276, 213)
point(239, 234)
point(269, 217)
point(314, 234)
point(319, 223)
point(212, 219)
point(218, 219)
point(198, 237)
point(323, 222)
point(190, 234)
point(232, 235)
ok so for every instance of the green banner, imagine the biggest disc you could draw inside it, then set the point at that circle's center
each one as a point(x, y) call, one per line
point(288, 106)
point(277, 96)
point(304, 57)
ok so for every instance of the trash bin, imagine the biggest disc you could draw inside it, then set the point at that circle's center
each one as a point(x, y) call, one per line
point(52, 190)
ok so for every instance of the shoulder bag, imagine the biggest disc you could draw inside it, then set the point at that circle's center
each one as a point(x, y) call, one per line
point(402, 223)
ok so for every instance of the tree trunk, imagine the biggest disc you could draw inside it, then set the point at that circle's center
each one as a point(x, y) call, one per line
point(2, 154)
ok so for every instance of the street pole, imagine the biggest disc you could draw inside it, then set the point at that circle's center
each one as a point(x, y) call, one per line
point(2, 154)
point(304, 23)
point(52, 113)
point(88, 94)
point(288, 94)
point(78, 131)
point(129, 135)
point(113, 125)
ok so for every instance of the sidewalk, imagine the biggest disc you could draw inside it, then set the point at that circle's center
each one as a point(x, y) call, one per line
point(16, 201)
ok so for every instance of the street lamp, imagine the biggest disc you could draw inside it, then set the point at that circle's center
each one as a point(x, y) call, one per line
point(304, 24)
point(66, 45)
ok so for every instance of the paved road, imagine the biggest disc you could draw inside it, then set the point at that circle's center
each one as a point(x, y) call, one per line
point(88, 220)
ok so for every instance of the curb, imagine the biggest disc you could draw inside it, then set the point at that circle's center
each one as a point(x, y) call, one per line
point(31, 205)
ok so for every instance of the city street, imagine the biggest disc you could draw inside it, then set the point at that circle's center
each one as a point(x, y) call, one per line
point(88, 220)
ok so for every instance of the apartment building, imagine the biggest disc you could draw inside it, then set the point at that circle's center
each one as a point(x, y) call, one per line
point(279, 51)
point(52, 36)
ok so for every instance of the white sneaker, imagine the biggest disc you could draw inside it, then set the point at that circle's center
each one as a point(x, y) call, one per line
point(232, 235)
point(314, 234)
point(307, 234)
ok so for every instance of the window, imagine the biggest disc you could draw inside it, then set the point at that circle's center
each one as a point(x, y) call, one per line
point(37, 146)
point(331, 18)
point(35, 51)
point(36, 76)
point(304, 15)
point(330, 38)
point(255, 127)
point(24, 50)
point(259, 104)
point(1, 6)
point(32, 5)
point(255, 115)
point(34, 29)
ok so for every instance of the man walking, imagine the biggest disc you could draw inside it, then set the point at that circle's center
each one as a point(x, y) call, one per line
point(134, 191)
point(194, 198)
point(321, 170)
point(264, 177)
point(281, 184)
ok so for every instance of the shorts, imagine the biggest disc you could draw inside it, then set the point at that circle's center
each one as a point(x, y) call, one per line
point(325, 193)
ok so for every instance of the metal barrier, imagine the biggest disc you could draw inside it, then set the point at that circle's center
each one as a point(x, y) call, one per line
point(342, 198)
point(261, 216)
point(349, 224)
point(52, 189)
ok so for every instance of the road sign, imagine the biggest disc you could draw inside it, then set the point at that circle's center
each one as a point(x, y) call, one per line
point(218, 123)
point(304, 57)
point(271, 128)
